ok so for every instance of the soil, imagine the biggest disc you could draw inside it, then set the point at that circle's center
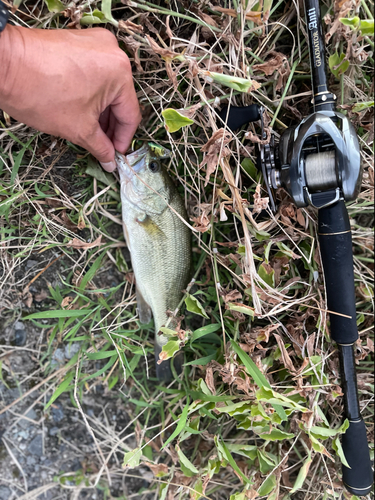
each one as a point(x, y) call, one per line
point(44, 454)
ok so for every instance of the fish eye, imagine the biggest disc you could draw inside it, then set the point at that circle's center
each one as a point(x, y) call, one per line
point(154, 166)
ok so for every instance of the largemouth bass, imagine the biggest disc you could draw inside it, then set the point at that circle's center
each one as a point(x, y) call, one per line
point(158, 240)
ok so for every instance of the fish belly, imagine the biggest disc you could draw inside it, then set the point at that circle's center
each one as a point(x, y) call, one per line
point(160, 249)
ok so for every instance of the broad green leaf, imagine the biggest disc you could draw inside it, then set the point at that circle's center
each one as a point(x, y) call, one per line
point(121, 263)
point(193, 305)
point(112, 381)
point(181, 424)
point(336, 445)
point(353, 22)
point(361, 106)
point(230, 459)
point(59, 313)
point(335, 60)
point(239, 496)
point(168, 332)
point(95, 170)
point(132, 458)
point(101, 355)
point(185, 462)
point(317, 446)
point(267, 274)
point(266, 461)
point(367, 27)
point(267, 6)
point(205, 330)
point(245, 450)
point(257, 375)
point(97, 17)
point(276, 435)
point(242, 308)
point(201, 361)
point(272, 397)
point(302, 474)
point(325, 433)
point(163, 490)
point(267, 486)
point(55, 6)
point(248, 165)
point(235, 408)
point(60, 389)
point(250, 366)
point(233, 82)
point(174, 121)
point(170, 348)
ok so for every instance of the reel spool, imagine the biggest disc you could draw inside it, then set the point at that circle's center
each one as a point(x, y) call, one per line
point(318, 162)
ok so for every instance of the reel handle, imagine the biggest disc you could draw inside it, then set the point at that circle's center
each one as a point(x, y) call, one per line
point(240, 115)
point(337, 257)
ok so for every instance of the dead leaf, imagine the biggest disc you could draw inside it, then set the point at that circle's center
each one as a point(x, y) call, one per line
point(209, 379)
point(310, 344)
point(260, 203)
point(157, 468)
point(68, 223)
point(191, 112)
point(370, 344)
point(279, 62)
point(38, 297)
point(66, 301)
point(130, 27)
point(230, 296)
point(133, 46)
point(300, 218)
point(257, 139)
point(201, 223)
point(256, 17)
point(168, 28)
point(83, 245)
point(27, 297)
point(284, 355)
point(214, 150)
point(166, 54)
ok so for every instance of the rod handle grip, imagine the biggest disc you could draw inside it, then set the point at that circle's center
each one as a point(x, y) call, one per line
point(358, 479)
point(335, 240)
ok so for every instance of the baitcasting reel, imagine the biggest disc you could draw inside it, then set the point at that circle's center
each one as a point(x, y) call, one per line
point(318, 162)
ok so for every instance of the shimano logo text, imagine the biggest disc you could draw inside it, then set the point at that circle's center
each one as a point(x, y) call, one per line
point(312, 19)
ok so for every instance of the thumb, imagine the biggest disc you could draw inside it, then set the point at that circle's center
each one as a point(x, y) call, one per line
point(102, 148)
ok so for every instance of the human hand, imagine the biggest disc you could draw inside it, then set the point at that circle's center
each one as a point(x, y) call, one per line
point(73, 84)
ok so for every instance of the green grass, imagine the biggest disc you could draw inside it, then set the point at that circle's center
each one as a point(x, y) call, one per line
point(261, 382)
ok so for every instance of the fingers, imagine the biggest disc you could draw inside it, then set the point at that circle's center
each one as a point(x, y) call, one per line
point(102, 148)
point(127, 118)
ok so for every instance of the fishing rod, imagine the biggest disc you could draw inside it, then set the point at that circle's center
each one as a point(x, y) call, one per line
point(318, 163)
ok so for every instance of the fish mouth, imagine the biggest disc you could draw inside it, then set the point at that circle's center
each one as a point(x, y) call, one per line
point(132, 162)
point(128, 167)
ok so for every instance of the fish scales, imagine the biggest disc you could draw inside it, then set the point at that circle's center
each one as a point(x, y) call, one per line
point(158, 240)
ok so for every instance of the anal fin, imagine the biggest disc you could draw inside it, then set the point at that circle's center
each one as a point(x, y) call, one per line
point(144, 310)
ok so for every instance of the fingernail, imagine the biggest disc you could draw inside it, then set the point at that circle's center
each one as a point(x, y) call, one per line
point(108, 167)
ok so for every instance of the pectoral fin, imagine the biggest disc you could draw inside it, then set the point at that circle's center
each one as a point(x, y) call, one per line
point(149, 226)
point(144, 310)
